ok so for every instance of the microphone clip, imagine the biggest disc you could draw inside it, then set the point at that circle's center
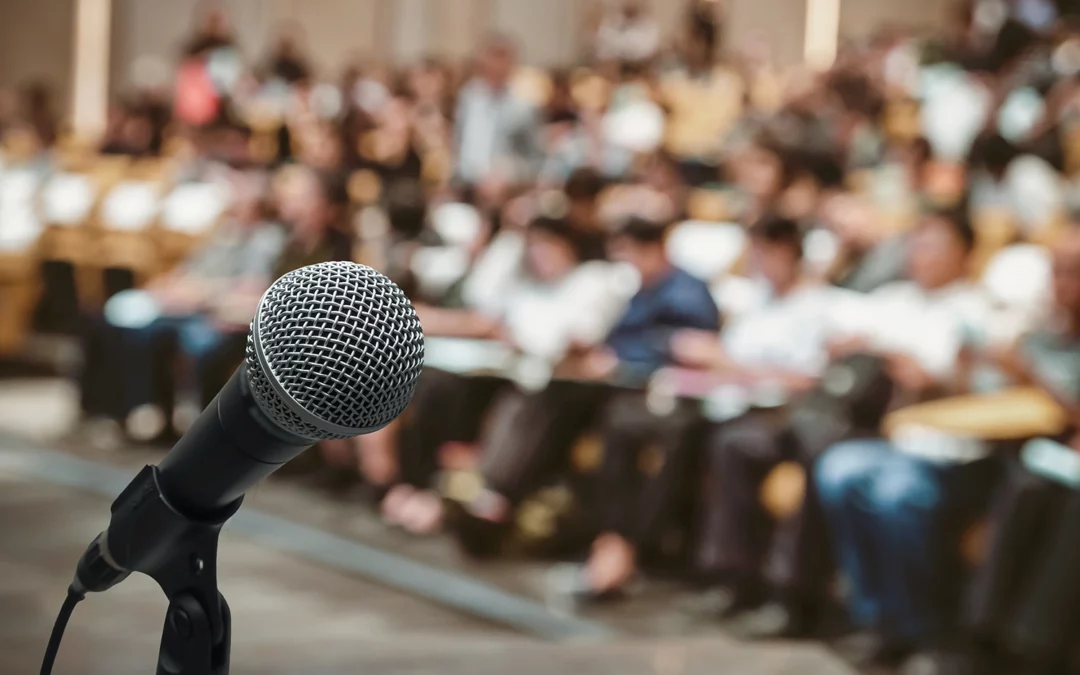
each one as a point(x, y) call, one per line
point(147, 534)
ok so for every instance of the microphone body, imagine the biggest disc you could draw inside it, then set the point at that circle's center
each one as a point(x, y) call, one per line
point(230, 447)
point(334, 352)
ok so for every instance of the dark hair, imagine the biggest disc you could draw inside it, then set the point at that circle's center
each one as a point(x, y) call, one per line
point(583, 184)
point(993, 153)
point(957, 220)
point(406, 207)
point(558, 227)
point(334, 188)
point(641, 230)
point(825, 168)
point(775, 229)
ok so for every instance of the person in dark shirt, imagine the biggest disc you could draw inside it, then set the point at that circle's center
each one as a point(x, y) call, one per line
point(530, 431)
point(669, 299)
point(1022, 602)
point(583, 189)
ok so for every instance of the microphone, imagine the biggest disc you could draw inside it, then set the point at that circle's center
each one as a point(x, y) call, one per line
point(334, 351)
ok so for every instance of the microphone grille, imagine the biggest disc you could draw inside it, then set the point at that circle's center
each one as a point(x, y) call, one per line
point(335, 351)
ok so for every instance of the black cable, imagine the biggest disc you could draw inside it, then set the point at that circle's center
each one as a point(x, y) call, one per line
point(74, 597)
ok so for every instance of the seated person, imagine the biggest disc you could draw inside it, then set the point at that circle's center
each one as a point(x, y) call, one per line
point(895, 509)
point(1023, 599)
point(780, 343)
point(207, 298)
point(529, 432)
point(537, 296)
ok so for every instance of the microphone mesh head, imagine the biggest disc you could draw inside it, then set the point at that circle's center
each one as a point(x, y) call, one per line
point(335, 351)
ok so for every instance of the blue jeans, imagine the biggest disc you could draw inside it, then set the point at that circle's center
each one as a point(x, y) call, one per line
point(197, 339)
point(895, 520)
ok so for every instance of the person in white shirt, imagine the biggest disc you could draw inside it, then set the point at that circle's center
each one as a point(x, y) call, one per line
point(893, 510)
point(540, 299)
point(780, 343)
point(497, 134)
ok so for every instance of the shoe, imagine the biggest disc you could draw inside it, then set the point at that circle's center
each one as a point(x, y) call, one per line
point(771, 621)
point(718, 602)
point(941, 663)
point(145, 423)
point(869, 649)
point(567, 589)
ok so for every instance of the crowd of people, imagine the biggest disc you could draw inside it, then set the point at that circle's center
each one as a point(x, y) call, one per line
point(714, 268)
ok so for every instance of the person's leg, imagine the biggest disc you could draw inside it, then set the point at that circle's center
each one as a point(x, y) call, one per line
point(526, 438)
point(643, 469)
point(735, 528)
point(904, 500)
point(1019, 523)
point(1046, 617)
point(842, 474)
point(144, 351)
point(529, 434)
point(198, 340)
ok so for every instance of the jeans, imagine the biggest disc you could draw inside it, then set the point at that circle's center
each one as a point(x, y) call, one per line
point(197, 339)
point(896, 520)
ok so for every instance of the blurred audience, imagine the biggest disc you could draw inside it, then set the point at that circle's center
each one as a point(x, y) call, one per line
point(883, 237)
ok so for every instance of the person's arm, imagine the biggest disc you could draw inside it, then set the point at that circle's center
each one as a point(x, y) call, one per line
point(459, 323)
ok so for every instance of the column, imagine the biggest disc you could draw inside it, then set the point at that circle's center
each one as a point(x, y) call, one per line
point(90, 94)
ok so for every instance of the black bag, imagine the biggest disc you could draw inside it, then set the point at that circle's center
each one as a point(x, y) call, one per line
point(851, 398)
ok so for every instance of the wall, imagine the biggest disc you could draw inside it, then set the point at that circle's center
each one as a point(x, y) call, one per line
point(35, 35)
point(36, 43)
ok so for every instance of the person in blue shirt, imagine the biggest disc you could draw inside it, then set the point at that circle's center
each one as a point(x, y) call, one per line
point(530, 434)
point(670, 299)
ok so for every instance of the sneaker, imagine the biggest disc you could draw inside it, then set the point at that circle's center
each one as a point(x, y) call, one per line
point(567, 589)
point(718, 602)
point(771, 621)
point(145, 423)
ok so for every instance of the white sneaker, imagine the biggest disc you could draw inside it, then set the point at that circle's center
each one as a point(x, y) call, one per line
point(145, 423)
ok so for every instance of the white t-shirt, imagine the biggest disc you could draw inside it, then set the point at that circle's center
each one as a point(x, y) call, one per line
point(544, 319)
point(788, 333)
point(929, 326)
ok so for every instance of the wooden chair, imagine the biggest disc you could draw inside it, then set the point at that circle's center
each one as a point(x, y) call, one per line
point(188, 214)
point(20, 231)
point(124, 236)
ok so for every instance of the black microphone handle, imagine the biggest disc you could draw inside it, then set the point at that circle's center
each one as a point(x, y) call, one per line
point(230, 447)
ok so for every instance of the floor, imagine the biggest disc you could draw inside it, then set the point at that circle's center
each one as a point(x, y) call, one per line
point(316, 586)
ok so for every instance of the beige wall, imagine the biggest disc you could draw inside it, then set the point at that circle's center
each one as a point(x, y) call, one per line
point(36, 35)
point(36, 43)
point(859, 17)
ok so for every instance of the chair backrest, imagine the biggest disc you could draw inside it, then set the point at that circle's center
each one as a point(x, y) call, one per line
point(131, 205)
point(194, 208)
point(706, 250)
point(1018, 275)
point(68, 199)
point(20, 225)
point(456, 224)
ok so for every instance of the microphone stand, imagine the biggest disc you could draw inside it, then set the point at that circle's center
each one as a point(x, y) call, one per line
point(148, 535)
